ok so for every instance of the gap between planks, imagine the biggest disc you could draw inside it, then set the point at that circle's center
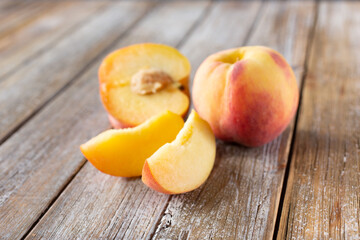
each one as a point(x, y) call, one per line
point(251, 29)
point(170, 38)
point(179, 45)
point(27, 60)
point(322, 195)
point(186, 36)
point(293, 134)
point(82, 175)
point(127, 29)
point(66, 184)
point(274, 42)
point(67, 84)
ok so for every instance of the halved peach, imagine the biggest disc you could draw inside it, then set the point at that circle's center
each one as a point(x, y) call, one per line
point(184, 164)
point(143, 80)
point(123, 152)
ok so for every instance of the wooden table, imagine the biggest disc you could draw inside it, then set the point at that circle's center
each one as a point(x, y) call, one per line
point(303, 185)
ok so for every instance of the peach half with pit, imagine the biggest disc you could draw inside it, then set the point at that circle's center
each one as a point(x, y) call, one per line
point(141, 81)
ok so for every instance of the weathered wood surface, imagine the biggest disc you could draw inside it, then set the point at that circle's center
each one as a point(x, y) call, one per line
point(33, 175)
point(49, 104)
point(8, 6)
point(323, 191)
point(52, 219)
point(38, 160)
point(43, 33)
point(116, 207)
point(44, 76)
point(127, 207)
point(241, 197)
point(20, 15)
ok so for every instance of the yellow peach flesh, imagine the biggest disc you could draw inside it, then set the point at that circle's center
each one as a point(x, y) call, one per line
point(184, 164)
point(123, 152)
point(127, 106)
point(135, 108)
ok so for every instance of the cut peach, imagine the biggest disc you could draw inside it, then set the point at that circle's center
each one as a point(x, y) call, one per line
point(123, 152)
point(143, 80)
point(184, 164)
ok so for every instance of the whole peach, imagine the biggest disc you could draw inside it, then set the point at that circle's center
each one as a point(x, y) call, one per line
point(248, 95)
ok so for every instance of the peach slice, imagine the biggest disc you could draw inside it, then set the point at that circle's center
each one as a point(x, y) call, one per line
point(184, 164)
point(123, 152)
point(143, 80)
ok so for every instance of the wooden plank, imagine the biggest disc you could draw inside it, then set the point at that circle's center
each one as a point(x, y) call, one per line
point(221, 25)
point(42, 33)
point(120, 208)
point(7, 6)
point(22, 15)
point(38, 161)
point(31, 86)
point(102, 217)
point(323, 190)
point(241, 197)
point(34, 164)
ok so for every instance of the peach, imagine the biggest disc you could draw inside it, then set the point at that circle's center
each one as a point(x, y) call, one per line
point(142, 80)
point(248, 95)
point(122, 152)
point(185, 163)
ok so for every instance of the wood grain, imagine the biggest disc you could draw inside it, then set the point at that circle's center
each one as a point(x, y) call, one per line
point(7, 6)
point(241, 197)
point(42, 33)
point(122, 208)
point(38, 161)
point(21, 15)
point(32, 85)
point(323, 191)
point(35, 171)
point(220, 30)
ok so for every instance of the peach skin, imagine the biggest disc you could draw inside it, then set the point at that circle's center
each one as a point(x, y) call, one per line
point(248, 95)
